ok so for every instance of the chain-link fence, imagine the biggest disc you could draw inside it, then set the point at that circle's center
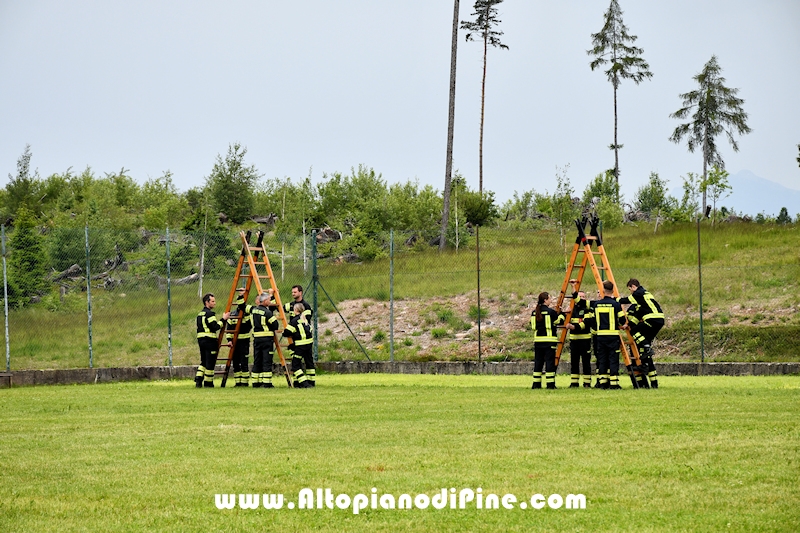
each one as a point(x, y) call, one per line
point(82, 297)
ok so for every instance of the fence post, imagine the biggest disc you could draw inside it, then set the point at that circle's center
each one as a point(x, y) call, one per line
point(391, 296)
point(169, 305)
point(478, 266)
point(89, 295)
point(314, 282)
point(5, 300)
point(700, 286)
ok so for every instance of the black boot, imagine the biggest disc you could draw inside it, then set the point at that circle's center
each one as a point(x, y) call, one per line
point(551, 386)
point(198, 382)
point(267, 386)
point(208, 384)
point(537, 385)
point(573, 385)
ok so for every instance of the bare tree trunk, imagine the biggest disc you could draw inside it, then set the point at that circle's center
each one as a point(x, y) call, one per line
point(705, 169)
point(448, 170)
point(483, 100)
point(616, 145)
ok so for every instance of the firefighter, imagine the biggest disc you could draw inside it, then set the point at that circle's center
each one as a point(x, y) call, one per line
point(300, 331)
point(241, 352)
point(207, 329)
point(263, 335)
point(580, 339)
point(606, 321)
point(645, 319)
point(297, 297)
point(289, 309)
point(544, 321)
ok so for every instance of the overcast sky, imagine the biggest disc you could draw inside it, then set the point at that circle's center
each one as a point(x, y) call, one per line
point(323, 86)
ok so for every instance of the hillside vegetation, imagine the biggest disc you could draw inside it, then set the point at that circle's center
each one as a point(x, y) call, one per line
point(750, 287)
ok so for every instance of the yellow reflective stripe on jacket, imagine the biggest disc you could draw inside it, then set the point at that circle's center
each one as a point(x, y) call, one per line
point(549, 328)
point(206, 329)
point(655, 313)
point(612, 321)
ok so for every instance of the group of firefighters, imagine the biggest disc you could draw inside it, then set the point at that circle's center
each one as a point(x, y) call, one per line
point(259, 322)
point(596, 324)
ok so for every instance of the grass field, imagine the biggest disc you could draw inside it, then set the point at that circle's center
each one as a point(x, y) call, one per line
point(699, 454)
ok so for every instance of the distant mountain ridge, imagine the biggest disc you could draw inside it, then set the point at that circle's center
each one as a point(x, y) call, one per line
point(752, 195)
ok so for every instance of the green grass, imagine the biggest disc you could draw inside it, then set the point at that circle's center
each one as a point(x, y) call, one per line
point(699, 454)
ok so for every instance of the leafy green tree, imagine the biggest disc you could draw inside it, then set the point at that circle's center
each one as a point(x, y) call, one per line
point(27, 261)
point(783, 217)
point(610, 212)
point(451, 117)
point(409, 207)
point(479, 208)
point(689, 205)
point(613, 46)
point(714, 109)
point(161, 203)
point(565, 209)
point(603, 186)
point(55, 188)
point(652, 198)
point(483, 27)
point(24, 188)
point(520, 207)
point(126, 190)
point(232, 184)
point(716, 187)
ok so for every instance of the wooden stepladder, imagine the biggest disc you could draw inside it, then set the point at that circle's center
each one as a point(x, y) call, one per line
point(253, 267)
point(575, 271)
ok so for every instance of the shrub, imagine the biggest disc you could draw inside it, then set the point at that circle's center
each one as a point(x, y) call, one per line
point(439, 333)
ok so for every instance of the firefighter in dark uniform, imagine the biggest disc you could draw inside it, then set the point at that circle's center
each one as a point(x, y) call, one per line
point(544, 321)
point(263, 335)
point(289, 309)
point(297, 297)
point(207, 330)
point(241, 352)
point(580, 339)
point(607, 319)
point(645, 319)
point(300, 331)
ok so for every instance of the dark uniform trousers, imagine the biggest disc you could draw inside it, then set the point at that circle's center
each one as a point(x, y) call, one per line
point(607, 347)
point(241, 352)
point(208, 358)
point(263, 349)
point(303, 354)
point(544, 357)
point(644, 332)
point(580, 352)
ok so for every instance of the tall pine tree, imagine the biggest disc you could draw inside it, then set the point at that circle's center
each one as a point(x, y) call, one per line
point(714, 109)
point(483, 28)
point(613, 47)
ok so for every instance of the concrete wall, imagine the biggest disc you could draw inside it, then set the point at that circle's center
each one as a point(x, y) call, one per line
point(105, 375)
point(526, 368)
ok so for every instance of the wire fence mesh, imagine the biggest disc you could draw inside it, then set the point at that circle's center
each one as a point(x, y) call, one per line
point(99, 297)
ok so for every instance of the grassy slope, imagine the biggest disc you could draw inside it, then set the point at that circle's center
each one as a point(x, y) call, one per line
point(750, 289)
point(704, 454)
